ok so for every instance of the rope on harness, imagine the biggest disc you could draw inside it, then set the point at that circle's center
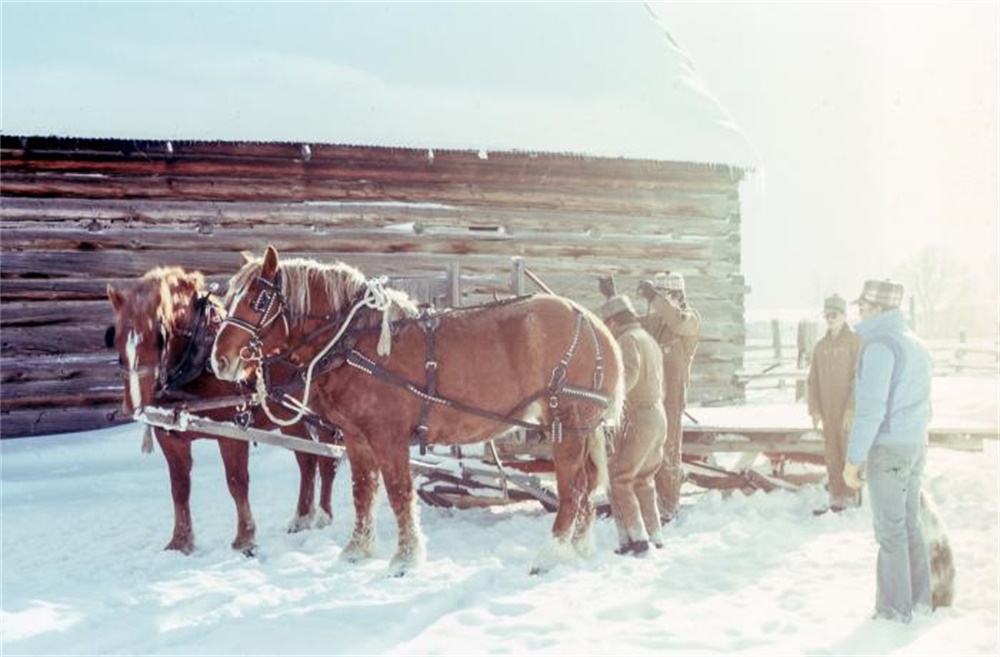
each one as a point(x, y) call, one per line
point(375, 297)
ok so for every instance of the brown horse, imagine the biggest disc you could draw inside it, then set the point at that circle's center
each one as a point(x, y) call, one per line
point(164, 328)
point(387, 373)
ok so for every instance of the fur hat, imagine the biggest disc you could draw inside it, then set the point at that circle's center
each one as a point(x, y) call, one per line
point(835, 303)
point(883, 293)
point(669, 281)
point(615, 305)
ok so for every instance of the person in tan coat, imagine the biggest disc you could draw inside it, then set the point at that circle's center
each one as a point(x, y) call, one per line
point(830, 390)
point(637, 450)
point(676, 327)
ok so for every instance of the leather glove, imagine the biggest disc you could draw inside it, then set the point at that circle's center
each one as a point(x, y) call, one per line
point(646, 290)
point(817, 420)
point(852, 475)
point(848, 421)
point(606, 284)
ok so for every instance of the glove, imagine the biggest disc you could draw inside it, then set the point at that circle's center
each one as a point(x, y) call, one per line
point(646, 290)
point(848, 421)
point(817, 420)
point(852, 475)
point(606, 284)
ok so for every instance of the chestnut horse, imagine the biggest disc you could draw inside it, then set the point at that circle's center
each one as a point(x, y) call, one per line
point(164, 328)
point(387, 373)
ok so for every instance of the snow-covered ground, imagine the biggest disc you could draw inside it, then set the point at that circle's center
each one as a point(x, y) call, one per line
point(84, 518)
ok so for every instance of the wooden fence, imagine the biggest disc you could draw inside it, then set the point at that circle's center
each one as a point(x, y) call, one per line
point(777, 362)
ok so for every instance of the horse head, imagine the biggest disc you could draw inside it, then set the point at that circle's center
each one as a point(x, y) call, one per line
point(250, 331)
point(152, 327)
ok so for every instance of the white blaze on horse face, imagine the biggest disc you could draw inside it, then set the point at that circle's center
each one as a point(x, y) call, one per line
point(134, 339)
point(230, 371)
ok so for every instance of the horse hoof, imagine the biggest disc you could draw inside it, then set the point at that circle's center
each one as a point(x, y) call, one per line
point(184, 547)
point(249, 553)
point(323, 519)
point(299, 523)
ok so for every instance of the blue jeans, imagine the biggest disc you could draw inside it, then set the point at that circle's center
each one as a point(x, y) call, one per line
point(903, 577)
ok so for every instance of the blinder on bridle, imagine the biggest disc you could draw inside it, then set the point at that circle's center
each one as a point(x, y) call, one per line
point(265, 302)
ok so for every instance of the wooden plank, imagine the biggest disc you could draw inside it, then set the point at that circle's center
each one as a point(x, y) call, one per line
point(246, 189)
point(54, 340)
point(212, 262)
point(43, 313)
point(37, 151)
point(98, 213)
point(61, 393)
point(554, 244)
point(184, 421)
point(103, 366)
point(48, 421)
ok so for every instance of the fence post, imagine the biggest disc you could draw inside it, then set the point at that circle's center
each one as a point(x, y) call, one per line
point(517, 276)
point(454, 285)
point(805, 340)
point(960, 352)
point(776, 338)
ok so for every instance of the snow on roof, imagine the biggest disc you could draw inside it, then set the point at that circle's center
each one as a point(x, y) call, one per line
point(602, 79)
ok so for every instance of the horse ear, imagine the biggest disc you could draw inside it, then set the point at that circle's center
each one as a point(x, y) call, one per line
point(247, 256)
point(270, 266)
point(115, 297)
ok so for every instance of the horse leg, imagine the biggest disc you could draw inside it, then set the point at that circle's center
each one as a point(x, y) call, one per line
point(235, 458)
point(364, 478)
point(410, 550)
point(304, 511)
point(327, 472)
point(177, 451)
point(575, 515)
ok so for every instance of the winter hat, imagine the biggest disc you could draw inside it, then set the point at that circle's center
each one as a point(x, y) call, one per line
point(615, 305)
point(883, 293)
point(669, 281)
point(835, 303)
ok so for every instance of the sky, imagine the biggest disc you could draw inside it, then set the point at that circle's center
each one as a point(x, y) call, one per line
point(85, 516)
point(871, 127)
point(876, 124)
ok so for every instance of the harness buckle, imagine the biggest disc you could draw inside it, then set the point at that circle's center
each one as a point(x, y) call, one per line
point(431, 365)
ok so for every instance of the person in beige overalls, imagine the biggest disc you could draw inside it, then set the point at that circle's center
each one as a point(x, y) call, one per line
point(637, 450)
point(676, 327)
point(830, 391)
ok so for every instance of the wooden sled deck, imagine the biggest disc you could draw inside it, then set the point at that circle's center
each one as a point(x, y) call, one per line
point(516, 467)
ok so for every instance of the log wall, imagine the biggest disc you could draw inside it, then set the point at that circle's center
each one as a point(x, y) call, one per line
point(78, 214)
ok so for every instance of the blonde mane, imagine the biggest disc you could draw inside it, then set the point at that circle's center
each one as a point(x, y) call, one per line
point(176, 288)
point(342, 285)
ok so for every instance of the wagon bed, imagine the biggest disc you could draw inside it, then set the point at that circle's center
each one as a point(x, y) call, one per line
point(516, 467)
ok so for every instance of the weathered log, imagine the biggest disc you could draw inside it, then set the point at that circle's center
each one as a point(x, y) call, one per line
point(46, 421)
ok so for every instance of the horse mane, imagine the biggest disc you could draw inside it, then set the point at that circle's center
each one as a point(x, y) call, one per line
point(342, 284)
point(176, 287)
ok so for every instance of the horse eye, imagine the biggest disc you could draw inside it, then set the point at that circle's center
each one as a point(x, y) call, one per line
point(109, 337)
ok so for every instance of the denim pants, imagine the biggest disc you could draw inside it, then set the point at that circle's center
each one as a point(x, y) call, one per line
point(903, 578)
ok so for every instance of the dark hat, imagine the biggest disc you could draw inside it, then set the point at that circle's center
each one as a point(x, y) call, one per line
point(883, 293)
point(835, 303)
point(615, 305)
